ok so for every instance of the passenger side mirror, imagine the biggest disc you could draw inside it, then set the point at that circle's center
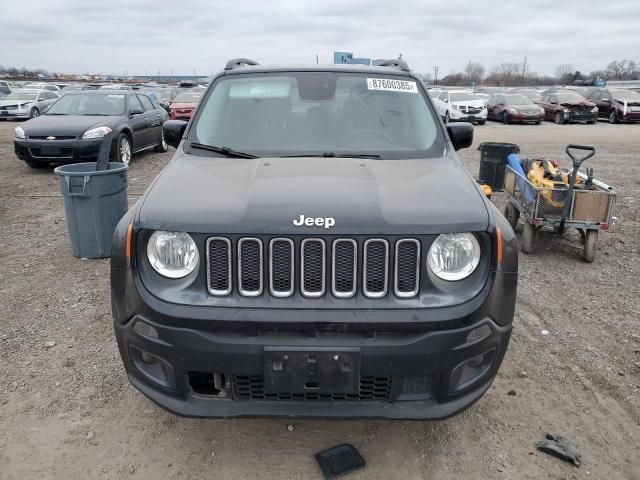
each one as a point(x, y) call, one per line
point(460, 133)
point(173, 131)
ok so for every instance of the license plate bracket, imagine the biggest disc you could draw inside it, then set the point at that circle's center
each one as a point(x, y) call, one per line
point(50, 150)
point(311, 370)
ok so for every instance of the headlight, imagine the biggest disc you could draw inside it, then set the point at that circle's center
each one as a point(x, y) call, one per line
point(97, 132)
point(454, 256)
point(594, 110)
point(455, 107)
point(19, 133)
point(511, 110)
point(172, 254)
point(542, 110)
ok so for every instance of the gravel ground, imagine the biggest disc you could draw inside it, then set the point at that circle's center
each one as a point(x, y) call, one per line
point(67, 410)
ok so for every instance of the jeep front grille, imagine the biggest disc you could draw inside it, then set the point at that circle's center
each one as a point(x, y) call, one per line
point(314, 267)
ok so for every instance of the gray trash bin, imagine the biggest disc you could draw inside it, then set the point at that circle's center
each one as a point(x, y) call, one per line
point(94, 202)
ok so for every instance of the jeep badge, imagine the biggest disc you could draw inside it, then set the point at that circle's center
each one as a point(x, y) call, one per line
point(326, 222)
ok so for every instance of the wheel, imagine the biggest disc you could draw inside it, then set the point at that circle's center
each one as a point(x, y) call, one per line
point(447, 118)
point(34, 113)
point(512, 214)
point(505, 118)
point(123, 152)
point(590, 242)
point(528, 233)
point(481, 122)
point(162, 146)
point(613, 117)
point(558, 118)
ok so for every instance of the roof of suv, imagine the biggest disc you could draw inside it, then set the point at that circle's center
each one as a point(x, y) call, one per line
point(347, 68)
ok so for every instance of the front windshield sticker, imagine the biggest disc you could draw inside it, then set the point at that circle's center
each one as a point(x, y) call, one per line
point(391, 85)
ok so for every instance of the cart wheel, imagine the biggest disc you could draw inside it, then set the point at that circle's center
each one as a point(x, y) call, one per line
point(528, 233)
point(590, 242)
point(512, 214)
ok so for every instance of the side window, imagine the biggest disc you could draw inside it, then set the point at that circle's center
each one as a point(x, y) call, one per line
point(442, 96)
point(594, 97)
point(134, 103)
point(605, 96)
point(146, 102)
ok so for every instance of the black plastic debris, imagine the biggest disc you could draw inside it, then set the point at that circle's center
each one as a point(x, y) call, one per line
point(338, 460)
point(560, 447)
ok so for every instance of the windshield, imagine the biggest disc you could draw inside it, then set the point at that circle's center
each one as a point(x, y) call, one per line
point(89, 104)
point(319, 113)
point(21, 96)
point(188, 98)
point(517, 100)
point(626, 95)
point(463, 97)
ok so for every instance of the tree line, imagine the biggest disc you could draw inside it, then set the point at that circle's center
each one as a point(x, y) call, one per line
point(519, 74)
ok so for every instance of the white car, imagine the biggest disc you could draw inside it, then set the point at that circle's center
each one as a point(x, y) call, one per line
point(461, 106)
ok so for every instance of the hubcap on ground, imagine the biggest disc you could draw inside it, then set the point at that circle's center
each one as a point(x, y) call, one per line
point(125, 151)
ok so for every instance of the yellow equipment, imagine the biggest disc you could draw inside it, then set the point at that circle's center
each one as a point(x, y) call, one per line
point(488, 191)
point(553, 182)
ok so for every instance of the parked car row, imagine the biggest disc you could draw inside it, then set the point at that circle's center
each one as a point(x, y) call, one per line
point(528, 105)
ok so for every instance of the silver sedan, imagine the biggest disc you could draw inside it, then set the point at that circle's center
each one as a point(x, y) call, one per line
point(25, 103)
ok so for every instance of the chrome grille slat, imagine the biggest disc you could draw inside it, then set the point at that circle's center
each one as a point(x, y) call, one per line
point(375, 269)
point(282, 270)
point(407, 268)
point(219, 266)
point(313, 266)
point(250, 267)
point(344, 267)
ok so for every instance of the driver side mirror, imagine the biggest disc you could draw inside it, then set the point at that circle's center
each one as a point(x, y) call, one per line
point(461, 134)
point(606, 100)
point(173, 131)
point(136, 111)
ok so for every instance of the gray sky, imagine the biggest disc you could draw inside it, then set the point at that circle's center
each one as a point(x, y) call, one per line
point(147, 36)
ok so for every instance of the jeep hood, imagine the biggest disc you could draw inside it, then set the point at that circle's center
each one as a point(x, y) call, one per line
point(376, 197)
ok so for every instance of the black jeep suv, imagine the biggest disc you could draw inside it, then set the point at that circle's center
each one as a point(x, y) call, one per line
point(315, 248)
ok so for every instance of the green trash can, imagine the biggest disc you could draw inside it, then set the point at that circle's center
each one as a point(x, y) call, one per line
point(94, 202)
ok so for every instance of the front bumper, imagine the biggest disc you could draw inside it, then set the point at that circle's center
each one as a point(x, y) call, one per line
point(580, 117)
point(21, 114)
point(460, 116)
point(57, 151)
point(180, 115)
point(202, 368)
point(630, 116)
point(524, 118)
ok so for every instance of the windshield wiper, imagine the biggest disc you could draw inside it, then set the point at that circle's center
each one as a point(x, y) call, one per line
point(336, 155)
point(226, 151)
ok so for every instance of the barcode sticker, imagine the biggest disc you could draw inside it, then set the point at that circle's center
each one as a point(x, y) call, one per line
point(391, 85)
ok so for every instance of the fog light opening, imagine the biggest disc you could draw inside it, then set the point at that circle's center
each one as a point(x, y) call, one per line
point(153, 367)
point(471, 371)
point(209, 384)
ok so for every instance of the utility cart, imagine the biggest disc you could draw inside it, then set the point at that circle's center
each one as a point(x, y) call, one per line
point(588, 210)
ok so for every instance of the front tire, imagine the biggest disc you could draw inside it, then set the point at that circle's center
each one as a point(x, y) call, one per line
point(512, 214)
point(34, 113)
point(590, 243)
point(558, 118)
point(162, 146)
point(123, 150)
point(613, 117)
point(528, 234)
point(447, 118)
point(481, 122)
